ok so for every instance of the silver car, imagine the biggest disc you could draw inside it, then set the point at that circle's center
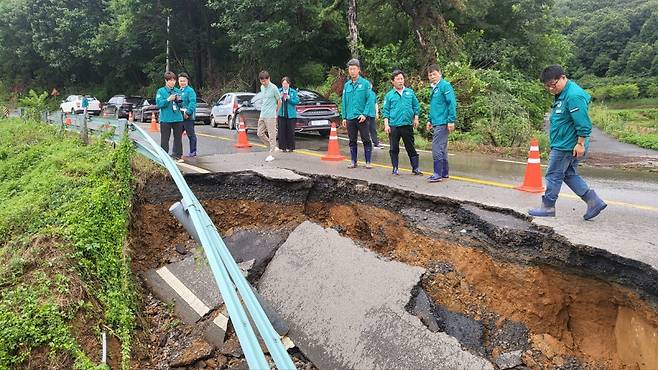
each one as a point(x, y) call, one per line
point(224, 109)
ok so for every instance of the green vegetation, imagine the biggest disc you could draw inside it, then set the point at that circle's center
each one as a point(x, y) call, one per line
point(617, 38)
point(492, 51)
point(638, 126)
point(63, 222)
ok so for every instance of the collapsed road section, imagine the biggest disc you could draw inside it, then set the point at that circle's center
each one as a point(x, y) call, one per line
point(367, 276)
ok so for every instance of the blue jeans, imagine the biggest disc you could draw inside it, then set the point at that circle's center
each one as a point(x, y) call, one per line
point(440, 150)
point(562, 167)
point(372, 125)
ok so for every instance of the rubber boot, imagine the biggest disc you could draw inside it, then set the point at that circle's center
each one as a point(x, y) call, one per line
point(394, 164)
point(415, 164)
point(594, 204)
point(368, 153)
point(547, 209)
point(353, 153)
point(436, 174)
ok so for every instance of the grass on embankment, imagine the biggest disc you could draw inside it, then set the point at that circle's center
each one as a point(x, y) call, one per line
point(64, 276)
point(633, 125)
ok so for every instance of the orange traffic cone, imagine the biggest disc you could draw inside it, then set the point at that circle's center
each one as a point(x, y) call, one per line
point(154, 124)
point(333, 150)
point(532, 182)
point(243, 141)
point(67, 121)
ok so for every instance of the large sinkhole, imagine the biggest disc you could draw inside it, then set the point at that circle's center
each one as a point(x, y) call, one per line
point(509, 291)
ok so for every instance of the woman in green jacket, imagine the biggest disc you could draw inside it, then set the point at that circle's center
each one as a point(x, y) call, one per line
point(287, 116)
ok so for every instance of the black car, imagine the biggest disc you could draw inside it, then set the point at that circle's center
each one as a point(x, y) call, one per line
point(120, 105)
point(144, 112)
point(314, 113)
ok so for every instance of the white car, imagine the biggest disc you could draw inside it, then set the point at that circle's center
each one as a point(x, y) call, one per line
point(73, 105)
point(224, 109)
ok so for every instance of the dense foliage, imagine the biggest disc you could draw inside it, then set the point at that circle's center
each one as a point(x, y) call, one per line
point(613, 38)
point(493, 49)
point(118, 46)
point(64, 273)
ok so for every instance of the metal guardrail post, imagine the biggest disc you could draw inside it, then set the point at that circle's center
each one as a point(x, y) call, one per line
point(228, 277)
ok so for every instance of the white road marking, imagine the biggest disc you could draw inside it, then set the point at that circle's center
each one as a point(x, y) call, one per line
point(197, 305)
point(515, 162)
point(221, 321)
point(193, 168)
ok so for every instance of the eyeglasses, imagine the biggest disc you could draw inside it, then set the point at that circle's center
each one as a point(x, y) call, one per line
point(551, 85)
point(264, 78)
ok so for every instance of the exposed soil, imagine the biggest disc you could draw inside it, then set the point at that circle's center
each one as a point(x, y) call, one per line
point(162, 341)
point(616, 160)
point(568, 318)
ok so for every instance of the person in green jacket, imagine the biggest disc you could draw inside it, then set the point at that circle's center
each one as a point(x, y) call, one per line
point(170, 116)
point(400, 112)
point(287, 116)
point(569, 136)
point(355, 103)
point(188, 108)
point(373, 115)
point(442, 117)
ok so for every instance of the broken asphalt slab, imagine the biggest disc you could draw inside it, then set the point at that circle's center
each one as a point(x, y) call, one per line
point(346, 306)
point(191, 286)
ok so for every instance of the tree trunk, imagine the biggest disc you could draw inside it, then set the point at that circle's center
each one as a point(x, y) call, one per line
point(353, 28)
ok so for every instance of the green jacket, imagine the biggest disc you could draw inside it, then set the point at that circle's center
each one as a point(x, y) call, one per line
point(400, 108)
point(169, 110)
point(291, 103)
point(570, 118)
point(443, 104)
point(189, 101)
point(356, 97)
point(371, 109)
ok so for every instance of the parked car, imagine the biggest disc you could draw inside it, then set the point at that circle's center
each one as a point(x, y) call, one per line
point(224, 109)
point(120, 105)
point(202, 111)
point(314, 113)
point(73, 105)
point(143, 112)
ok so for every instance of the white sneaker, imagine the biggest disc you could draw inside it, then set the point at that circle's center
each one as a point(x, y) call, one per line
point(269, 158)
point(276, 149)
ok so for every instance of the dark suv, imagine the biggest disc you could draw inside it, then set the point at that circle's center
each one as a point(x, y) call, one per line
point(120, 105)
point(314, 113)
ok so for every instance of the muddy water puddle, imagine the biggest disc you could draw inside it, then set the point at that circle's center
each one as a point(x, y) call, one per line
point(494, 281)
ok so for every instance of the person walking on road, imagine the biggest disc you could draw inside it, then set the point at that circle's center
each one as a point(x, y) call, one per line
point(442, 118)
point(401, 109)
point(355, 102)
point(569, 136)
point(267, 121)
point(373, 115)
point(188, 108)
point(170, 116)
point(287, 116)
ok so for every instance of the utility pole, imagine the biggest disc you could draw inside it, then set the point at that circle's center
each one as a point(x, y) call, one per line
point(167, 43)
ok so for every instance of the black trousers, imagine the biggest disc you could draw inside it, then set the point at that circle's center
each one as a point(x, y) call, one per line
point(405, 132)
point(355, 128)
point(166, 129)
point(286, 132)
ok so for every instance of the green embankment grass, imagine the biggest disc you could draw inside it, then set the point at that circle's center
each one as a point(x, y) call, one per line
point(64, 276)
point(633, 125)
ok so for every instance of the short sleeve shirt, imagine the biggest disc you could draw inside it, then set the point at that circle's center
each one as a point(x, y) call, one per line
point(270, 95)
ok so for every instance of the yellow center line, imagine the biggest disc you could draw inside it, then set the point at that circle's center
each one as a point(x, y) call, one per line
point(458, 178)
